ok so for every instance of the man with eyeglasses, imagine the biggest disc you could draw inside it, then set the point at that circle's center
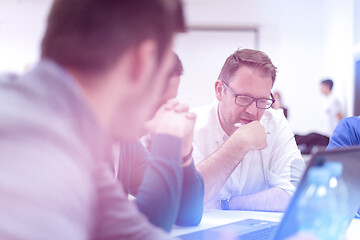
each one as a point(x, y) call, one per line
point(244, 149)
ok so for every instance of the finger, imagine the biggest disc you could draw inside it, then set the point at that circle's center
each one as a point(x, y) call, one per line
point(191, 116)
point(171, 104)
point(182, 107)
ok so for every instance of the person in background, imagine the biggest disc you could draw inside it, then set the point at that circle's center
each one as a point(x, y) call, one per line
point(332, 107)
point(331, 114)
point(140, 170)
point(103, 70)
point(243, 148)
point(170, 93)
point(278, 103)
point(174, 80)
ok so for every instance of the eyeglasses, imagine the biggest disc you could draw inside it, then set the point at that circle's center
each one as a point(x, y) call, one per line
point(244, 101)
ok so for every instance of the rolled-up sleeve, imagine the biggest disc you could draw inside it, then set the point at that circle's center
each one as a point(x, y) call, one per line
point(286, 163)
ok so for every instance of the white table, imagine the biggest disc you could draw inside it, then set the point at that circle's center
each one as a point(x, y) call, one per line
point(213, 218)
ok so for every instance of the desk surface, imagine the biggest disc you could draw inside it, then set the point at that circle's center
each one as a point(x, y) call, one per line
point(213, 218)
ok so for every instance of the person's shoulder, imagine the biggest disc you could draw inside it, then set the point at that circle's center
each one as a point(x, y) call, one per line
point(346, 127)
point(35, 120)
point(334, 99)
point(346, 133)
point(350, 122)
point(355, 119)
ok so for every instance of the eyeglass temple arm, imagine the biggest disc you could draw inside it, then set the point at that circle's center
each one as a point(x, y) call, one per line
point(272, 97)
point(229, 89)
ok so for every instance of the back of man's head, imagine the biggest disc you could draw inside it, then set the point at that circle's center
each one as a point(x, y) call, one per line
point(91, 35)
point(249, 58)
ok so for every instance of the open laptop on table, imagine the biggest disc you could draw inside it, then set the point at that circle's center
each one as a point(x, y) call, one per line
point(258, 229)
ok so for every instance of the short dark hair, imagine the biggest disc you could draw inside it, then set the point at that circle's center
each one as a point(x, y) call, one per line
point(328, 82)
point(178, 68)
point(90, 35)
point(250, 58)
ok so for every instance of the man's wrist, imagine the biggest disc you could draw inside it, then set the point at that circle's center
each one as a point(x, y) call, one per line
point(186, 160)
point(234, 150)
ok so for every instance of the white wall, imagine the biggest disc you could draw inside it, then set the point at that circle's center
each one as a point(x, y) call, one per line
point(295, 34)
point(203, 53)
point(338, 58)
point(22, 23)
point(307, 40)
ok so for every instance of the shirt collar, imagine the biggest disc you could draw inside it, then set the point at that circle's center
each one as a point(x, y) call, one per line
point(222, 134)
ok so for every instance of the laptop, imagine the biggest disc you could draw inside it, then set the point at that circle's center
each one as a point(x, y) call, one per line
point(258, 229)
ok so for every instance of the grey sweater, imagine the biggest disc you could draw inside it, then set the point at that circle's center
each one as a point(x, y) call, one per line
point(56, 171)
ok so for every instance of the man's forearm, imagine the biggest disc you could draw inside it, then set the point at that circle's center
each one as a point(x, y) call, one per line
point(273, 199)
point(192, 198)
point(158, 196)
point(216, 169)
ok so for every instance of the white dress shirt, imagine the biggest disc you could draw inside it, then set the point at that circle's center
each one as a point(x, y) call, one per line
point(278, 165)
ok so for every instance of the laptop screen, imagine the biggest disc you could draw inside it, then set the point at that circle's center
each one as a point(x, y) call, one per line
point(350, 158)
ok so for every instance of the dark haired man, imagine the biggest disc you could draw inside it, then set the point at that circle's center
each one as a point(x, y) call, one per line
point(245, 150)
point(142, 173)
point(104, 67)
point(170, 93)
point(174, 79)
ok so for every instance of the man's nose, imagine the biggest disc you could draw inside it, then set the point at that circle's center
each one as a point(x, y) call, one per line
point(252, 109)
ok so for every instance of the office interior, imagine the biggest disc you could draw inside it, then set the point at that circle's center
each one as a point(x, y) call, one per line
point(307, 41)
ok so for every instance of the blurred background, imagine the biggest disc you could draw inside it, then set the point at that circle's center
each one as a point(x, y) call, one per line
point(307, 40)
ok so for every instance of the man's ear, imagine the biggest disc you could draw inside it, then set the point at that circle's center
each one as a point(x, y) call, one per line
point(219, 90)
point(143, 61)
